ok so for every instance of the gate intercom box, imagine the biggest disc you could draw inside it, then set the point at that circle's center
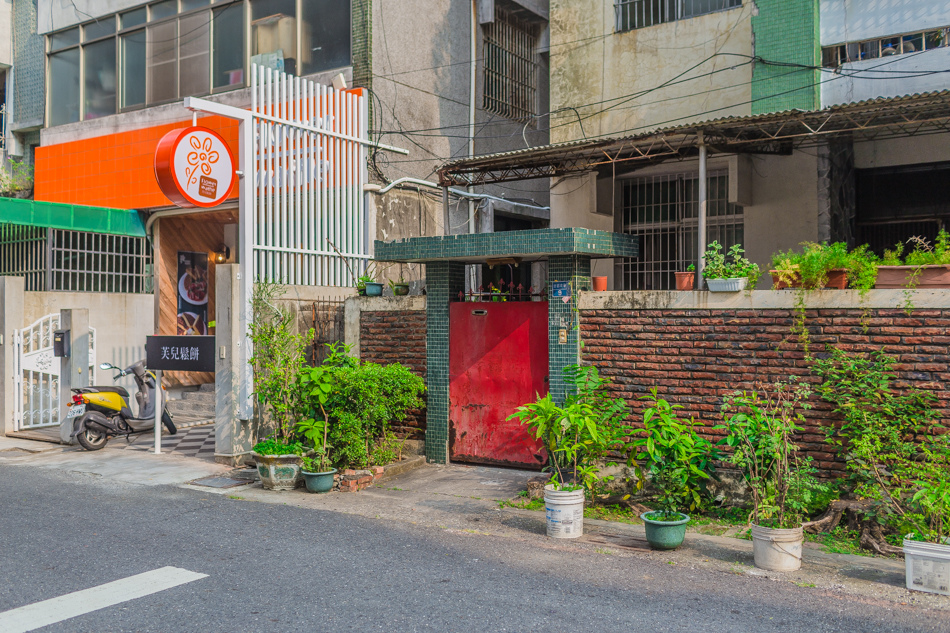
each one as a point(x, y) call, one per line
point(61, 343)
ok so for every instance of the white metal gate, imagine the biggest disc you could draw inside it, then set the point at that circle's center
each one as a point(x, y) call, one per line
point(37, 373)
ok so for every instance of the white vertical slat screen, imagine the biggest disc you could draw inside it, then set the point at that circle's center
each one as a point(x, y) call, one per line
point(309, 176)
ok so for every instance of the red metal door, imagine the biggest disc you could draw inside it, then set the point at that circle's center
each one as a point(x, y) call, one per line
point(498, 360)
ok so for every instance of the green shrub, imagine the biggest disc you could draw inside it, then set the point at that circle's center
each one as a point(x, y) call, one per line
point(731, 265)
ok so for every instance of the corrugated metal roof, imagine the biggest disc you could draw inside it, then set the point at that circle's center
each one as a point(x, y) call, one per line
point(907, 115)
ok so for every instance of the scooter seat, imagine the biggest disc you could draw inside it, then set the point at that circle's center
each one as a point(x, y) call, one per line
point(122, 391)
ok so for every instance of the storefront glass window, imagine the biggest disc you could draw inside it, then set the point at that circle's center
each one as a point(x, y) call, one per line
point(274, 34)
point(132, 55)
point(326, 35)
point(99, 79)
point(64, 87)
point(228, 47)
point(193, 55)
point(162, 62)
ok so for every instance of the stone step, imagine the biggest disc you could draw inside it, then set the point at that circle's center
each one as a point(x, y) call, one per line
point(206, 387)
point(199, 396)
point(191, 407)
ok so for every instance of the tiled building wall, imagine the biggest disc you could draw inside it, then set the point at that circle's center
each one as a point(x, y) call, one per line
point(397, 337)
point(786, 32)
point(443, 280)
point(695, 357)
point(563, 316)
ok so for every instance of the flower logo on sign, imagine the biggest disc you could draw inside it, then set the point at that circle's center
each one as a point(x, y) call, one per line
point(200, 159)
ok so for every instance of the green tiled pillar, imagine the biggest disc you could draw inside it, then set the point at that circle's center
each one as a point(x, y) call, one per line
point(563, 316)
point(443, 280)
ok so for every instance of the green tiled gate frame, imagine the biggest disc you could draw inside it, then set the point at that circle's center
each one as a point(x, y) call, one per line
point(574, 269)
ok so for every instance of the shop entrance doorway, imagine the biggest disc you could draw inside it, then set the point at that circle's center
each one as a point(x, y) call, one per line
point(498, 360)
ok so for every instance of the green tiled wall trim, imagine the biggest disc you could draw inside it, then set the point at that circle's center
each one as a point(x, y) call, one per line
point(564, 315)
point(786, 31)
point(443, 279)
point(477, 246)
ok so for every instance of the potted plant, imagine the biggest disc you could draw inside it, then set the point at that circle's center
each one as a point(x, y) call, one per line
point(728, 272)
point(277, 363)
point(927, 497)
point(926, 266)
point(400, 288)
point(316, 385)
point(759, 431)
point(686, 280)
point(367, 287)
point(677, 462)
point(578, 436)
point(824, 266)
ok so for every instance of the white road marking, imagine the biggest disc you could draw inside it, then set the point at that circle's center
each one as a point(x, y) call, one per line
point(40, 614)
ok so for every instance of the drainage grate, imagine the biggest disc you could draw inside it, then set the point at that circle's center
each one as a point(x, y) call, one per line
point(219, 482)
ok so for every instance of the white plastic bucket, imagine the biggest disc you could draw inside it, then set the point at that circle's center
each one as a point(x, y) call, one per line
point(565, 512)
point(777, 550)
point(928, 567)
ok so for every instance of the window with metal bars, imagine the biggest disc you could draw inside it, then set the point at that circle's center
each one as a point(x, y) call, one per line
point(638, 14)
point(663, 212)
point(23, 252)
point(76, 261)
point(511, 66)
point(95, 262)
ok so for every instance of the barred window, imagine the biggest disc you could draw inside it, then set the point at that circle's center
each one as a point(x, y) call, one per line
point(511, 66)
point(663, 211)
point(638, 14)
point(76, 261)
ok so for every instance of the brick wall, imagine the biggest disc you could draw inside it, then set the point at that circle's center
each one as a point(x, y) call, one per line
point(695, 356)
point(397, 337)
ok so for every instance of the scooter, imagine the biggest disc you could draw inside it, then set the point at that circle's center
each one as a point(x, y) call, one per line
point(104, 412)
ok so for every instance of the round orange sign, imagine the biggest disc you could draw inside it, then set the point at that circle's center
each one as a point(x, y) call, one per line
point(194, 167)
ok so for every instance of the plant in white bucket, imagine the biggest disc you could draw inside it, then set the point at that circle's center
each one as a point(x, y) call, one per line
point(678, 462)
point(927, 547)
point(759, 429)
point(728, 272)
point(578, 437)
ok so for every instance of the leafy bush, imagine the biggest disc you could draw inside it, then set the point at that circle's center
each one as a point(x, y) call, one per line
point(731, 265)
point(278, 359)
point(580, 434)
point(366, 399)
point(677, 460)
point(908, 480)
point(759, 430)
point(270, 446)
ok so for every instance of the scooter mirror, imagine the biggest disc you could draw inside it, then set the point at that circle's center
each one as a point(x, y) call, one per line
point(106, 366)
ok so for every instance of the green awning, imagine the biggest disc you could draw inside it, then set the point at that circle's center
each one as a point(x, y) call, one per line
point(71, 217)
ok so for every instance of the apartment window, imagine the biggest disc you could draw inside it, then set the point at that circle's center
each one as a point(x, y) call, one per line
point(172, 49)
point(839, 54)
point(511, 66)
point(638, 14)
point(662, 211)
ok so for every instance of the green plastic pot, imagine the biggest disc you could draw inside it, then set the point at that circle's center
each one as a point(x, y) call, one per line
point(374, 289)
point(400, 290)
point(319, 482)
point(665, 534)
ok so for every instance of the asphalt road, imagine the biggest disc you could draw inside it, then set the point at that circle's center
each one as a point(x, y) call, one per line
point(278, 568)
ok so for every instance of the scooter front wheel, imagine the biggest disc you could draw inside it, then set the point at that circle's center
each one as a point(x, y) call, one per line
point(91, 440)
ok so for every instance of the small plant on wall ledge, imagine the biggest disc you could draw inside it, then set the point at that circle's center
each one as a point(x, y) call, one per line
point(926, 266)
point(18, 181)
point(728, 272)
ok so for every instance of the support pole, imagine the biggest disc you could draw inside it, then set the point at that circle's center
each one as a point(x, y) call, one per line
point(701, 223)
point(159, 407)
point(445, 211)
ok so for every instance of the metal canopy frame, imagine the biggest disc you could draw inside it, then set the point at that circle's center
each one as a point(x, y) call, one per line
point(774, 133)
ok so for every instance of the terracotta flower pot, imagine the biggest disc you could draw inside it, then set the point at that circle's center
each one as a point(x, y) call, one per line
point(837, 280)
point(903, 276)
point(684, 280)
point(600, 284)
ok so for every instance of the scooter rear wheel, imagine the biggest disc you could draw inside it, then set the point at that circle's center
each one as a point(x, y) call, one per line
point(90, 440)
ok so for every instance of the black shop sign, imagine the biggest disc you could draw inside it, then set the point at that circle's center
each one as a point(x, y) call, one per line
point(180, 353)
